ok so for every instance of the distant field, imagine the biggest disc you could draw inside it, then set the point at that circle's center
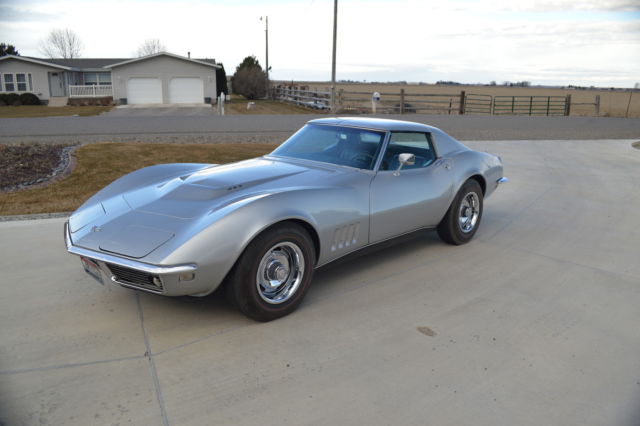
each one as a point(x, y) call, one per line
point(612, 103)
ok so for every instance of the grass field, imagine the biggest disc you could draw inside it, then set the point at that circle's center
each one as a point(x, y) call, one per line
point(25, 111)
point(612, 103)
point(101, 163)
point(238, 105)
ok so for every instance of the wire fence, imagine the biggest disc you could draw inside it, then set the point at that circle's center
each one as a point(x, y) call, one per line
point(402, 102)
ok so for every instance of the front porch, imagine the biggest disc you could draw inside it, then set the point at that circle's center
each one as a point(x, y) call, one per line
point(91, 91)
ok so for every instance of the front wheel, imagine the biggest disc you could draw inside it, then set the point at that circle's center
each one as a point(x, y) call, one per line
point(273, 274)
point(461, 221)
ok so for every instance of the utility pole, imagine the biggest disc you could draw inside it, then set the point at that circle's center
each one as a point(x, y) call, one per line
point(266, 39)
point(333, 63)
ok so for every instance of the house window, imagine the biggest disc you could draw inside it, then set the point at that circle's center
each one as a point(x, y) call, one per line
point(22, 82)
point(97, 78)
point(9, 86)
point(19, 82)
point(90, 78)
point(104, 78)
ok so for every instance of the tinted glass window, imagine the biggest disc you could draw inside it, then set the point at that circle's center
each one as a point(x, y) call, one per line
point(345, 146)
point(418, 144)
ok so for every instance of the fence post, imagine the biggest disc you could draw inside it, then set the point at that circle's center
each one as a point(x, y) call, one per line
point(548, 102)
point(567, 110)
point(462, 99)
point(597, 105)
point(401, 101)
point(530, 104)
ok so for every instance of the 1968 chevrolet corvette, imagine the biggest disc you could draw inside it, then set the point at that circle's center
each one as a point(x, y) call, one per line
point(260, 227)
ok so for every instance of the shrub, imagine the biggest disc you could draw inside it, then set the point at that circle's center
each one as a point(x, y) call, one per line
point(104, 101)
point(29, 99)
point(11, 99)
point(250, 82)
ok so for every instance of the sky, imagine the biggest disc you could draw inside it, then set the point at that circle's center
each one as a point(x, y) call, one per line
point(548, 42)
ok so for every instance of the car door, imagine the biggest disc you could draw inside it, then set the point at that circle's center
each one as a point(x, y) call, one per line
point(417, 196)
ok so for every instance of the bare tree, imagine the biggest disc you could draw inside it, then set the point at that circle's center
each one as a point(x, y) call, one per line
point(61, 43)
point(151, 46)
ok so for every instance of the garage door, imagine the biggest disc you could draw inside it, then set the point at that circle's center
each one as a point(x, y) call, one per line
point(183, 90)
point(144, 91)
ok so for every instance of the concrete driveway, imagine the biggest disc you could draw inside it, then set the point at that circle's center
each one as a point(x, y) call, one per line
point(535, 322)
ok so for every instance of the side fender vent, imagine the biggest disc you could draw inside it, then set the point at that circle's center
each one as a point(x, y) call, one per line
point(345, 236)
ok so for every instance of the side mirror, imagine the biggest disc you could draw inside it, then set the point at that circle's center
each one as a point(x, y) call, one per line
point(405, 158)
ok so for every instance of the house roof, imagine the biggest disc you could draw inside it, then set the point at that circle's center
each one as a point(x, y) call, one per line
point(98, 64)
point(35, 61)
point(85, 62)
point(207, 62)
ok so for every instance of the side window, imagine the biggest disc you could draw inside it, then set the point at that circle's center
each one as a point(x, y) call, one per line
point(22, 82)
point(8, 83)
point(418, 144)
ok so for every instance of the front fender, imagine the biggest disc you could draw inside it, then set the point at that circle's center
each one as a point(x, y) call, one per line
point(218, 239)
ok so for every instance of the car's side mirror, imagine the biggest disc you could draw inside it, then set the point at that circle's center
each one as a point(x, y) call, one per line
point(405, 158)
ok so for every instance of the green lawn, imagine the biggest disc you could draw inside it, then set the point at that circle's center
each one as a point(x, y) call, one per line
point(26, 111)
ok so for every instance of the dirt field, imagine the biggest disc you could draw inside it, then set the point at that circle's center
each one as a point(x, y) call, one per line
point(612, 103)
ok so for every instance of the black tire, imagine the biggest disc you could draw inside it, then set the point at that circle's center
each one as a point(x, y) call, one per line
point(468, 203)
point(282, 284)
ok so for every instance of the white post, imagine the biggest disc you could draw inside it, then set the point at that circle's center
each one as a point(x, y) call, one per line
point(221, 100)
point(375, 98)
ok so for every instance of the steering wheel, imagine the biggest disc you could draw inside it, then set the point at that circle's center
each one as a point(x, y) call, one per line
point(362, 157)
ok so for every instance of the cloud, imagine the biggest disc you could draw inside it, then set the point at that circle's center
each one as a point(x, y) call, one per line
point(411, 40)
point(562, 5)
point(11, 14)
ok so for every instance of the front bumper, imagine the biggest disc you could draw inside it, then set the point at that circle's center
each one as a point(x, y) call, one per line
point(134, 274)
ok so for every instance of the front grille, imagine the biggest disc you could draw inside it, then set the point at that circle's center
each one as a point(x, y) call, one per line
point(133, 277)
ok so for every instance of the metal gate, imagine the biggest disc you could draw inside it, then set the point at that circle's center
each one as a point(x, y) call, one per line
point(530, 105)
point(477, 104)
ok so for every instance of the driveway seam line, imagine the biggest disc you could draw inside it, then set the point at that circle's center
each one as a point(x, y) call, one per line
point(61, 366)
point(202, 339)
point(152, 364)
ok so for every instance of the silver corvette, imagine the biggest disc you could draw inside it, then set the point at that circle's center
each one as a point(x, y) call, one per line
point(260, 227)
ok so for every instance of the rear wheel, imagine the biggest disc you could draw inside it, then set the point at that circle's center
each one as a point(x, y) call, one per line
point(273, 274)
point(461, 221)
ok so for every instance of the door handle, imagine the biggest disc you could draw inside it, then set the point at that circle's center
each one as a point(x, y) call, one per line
point(445, 162)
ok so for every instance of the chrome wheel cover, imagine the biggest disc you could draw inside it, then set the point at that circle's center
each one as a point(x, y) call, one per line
point(280, 273)
point(469, 212)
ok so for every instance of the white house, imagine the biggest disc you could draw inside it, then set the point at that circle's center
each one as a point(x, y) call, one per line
point(162, 78)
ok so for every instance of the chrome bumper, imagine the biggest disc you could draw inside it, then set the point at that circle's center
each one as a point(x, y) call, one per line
point(167, 274)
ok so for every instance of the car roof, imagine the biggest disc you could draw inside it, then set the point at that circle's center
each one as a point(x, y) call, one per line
point(375, 124)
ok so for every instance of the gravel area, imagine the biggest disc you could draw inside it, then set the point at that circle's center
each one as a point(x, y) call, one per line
point(30, 164)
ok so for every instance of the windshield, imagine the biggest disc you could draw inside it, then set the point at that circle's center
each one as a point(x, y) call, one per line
point(345, 146)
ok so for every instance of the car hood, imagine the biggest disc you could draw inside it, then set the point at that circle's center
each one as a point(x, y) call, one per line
point(142, 219)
